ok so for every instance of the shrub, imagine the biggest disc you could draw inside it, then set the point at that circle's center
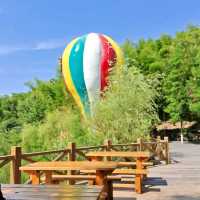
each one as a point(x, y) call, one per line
point(127, 108)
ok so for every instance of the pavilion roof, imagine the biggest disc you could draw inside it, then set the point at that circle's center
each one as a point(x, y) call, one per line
point(167, 125)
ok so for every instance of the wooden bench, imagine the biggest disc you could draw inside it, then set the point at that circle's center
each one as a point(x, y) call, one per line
point(133, 164)
point(138, 173)
point(130, 171)
point(52, 192)
point(119, 171)
point(78, 177)
point(90, 175)
point(91, 180)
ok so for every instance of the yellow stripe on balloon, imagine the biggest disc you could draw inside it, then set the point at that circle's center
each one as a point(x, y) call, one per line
point(118, 51)
point(67, 74)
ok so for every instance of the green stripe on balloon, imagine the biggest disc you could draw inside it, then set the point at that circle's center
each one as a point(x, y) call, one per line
point(76, 69)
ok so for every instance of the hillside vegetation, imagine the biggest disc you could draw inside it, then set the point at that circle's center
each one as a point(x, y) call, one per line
point(160, 81)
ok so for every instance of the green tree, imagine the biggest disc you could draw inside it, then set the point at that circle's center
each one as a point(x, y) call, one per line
point(43, 98)
point(181, 83)
point(127, 111)
point(9, 118)
point(58, 129)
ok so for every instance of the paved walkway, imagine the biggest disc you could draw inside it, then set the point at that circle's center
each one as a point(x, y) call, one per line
point(179, 180)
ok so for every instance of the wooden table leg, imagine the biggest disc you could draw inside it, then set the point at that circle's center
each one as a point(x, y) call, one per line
point(93, 158)
point(139, 177)
point(35, 177)
point(139, 163)
point(48, 177)
point(138, 184)
point(101, 179)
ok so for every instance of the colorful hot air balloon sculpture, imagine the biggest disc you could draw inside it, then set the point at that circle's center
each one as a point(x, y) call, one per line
point(86, 63)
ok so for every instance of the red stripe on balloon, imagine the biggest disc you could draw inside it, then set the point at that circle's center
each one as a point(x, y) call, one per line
point(108, 60)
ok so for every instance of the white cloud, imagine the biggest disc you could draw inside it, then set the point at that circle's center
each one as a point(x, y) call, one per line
point(42, 45)
point(47, 45)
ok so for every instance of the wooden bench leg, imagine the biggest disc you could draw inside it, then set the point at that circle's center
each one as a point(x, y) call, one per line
point(48, 177)
point(91, 182)
point(55, 182)
point(35, 177)
point(138, 184)
point(71, 182)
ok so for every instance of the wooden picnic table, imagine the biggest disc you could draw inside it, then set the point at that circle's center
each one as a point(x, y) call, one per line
point(51, 192)
point(139, 156)
point(102, 168)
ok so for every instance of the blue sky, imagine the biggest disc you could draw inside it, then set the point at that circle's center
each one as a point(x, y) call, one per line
point(34, 33)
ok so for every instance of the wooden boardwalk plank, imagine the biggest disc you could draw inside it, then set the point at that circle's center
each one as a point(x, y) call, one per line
point(177, 181)
point(52, 192)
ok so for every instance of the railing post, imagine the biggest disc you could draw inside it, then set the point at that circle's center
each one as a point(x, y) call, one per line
point(72, 151)
point(167, 158)
point(140, 145)
point(159, 148)
point(15, 173)
point(71, 157)
point(108, 144)
point(108, 147)
point(158, 138)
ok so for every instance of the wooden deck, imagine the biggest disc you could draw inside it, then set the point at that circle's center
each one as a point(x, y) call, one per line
point(177, 181)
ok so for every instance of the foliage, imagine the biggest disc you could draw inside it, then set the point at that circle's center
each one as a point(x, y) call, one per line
point(9, 118)
point(175, 62)
point(127, 110)
point(58, 129)
point(180, 87)
point(162, 75)
point(8, 140)
point(44, 97)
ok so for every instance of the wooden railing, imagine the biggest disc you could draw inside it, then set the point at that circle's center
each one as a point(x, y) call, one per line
point(158, 148)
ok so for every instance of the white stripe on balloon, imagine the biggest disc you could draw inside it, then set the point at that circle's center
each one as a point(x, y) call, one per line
point(91, 67)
